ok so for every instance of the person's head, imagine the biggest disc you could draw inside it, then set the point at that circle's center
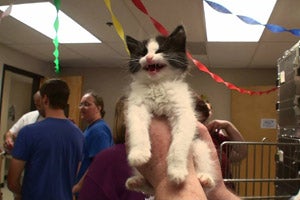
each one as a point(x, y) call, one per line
point(119, 128)
point(37, 100)
point(202, 108)
point(54, 94)
point(91, 107)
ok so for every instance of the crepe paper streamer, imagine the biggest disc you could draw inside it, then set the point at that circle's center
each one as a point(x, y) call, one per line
point(271, 27)
point(200, 66)
point(227, 84)
point(157, 25)
point(116, 24)
point(55, 40)
point(6, 12)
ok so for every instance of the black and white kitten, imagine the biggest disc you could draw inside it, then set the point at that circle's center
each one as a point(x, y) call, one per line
point(158, 67)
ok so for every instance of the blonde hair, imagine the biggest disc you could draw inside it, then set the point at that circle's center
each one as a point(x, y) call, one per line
point(119, 128)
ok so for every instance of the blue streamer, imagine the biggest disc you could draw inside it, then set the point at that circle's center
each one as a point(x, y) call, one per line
point(271, 27)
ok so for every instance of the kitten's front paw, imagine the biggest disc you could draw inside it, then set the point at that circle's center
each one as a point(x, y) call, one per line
point(206, 180)
point(138, 157)
point(177, 175)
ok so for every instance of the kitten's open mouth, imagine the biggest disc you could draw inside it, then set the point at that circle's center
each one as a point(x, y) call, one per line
point(153, 67)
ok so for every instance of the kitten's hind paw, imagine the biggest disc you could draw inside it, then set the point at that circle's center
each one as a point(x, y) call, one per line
point(206, 180)
point(138, 157)
point(177, 175)
point(139, 184)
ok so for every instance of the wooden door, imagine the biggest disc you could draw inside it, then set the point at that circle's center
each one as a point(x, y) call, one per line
point(248, 114)
point(75, 84)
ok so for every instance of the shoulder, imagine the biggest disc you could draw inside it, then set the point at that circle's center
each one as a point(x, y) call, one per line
point(116, 153)
point(101, 125)
point(34, 113)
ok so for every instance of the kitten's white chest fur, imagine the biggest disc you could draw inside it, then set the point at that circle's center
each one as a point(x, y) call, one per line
point(163, 98)
point(169, 98)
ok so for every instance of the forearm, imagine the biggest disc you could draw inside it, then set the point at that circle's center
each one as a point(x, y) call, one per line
point(233, 133)
point(239, 151)
point(14, 176)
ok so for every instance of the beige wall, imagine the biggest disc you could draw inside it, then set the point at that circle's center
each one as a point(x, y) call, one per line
point(111, 83)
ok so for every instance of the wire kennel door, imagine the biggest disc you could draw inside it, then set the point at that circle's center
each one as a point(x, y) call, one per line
point(270, 170)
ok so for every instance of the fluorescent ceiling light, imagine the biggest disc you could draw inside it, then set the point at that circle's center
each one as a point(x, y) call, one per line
point(41, 17)
point(222, 27)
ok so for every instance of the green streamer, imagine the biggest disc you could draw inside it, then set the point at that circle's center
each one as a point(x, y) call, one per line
point(55, 40)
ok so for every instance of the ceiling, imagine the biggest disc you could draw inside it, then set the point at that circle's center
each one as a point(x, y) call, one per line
point(93, 15)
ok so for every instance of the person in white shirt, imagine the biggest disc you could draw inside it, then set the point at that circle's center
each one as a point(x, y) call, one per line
point(26, 119)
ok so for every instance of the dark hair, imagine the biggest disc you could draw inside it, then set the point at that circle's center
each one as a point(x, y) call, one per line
point(57, 92)
point(98, 101)
point(201, 107)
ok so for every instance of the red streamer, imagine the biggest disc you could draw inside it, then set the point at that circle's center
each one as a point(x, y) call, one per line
point(162, 30)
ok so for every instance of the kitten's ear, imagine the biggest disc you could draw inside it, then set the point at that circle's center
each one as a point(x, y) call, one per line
point(178, 30)
point(132, 44)
point(178, 37)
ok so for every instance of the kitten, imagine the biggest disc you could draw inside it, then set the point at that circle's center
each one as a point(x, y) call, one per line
point(158, 67)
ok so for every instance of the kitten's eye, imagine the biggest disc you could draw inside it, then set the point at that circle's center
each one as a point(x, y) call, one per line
point(140, 52)
point(160, 50)
point(145, 51)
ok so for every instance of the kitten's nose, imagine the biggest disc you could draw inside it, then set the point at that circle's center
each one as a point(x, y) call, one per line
point(149, 59)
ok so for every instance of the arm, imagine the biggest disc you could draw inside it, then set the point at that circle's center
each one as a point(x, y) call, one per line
point(9, 140)
point(238, 152)
point(77, 187)
point(11, 135)
point(16, 168)
point(155, 170)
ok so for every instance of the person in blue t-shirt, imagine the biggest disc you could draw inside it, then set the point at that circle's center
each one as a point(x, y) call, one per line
point(97, 135)
point(49, 152)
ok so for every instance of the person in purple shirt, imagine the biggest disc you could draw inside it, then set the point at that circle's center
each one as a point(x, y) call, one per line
point(106, 177)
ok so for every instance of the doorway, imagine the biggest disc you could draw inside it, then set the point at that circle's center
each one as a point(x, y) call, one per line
point(18, 87)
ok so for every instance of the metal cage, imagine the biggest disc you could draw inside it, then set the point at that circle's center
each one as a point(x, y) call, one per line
point(269, 171)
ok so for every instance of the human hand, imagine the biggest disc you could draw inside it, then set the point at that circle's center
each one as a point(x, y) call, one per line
point(76, 188)
point(217, 125)
point(155, 171)
point(9, 141)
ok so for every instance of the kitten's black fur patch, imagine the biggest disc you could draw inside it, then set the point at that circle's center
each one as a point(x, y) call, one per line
point(172, 46)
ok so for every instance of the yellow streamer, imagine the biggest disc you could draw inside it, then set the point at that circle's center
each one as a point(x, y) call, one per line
point(116, 24)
